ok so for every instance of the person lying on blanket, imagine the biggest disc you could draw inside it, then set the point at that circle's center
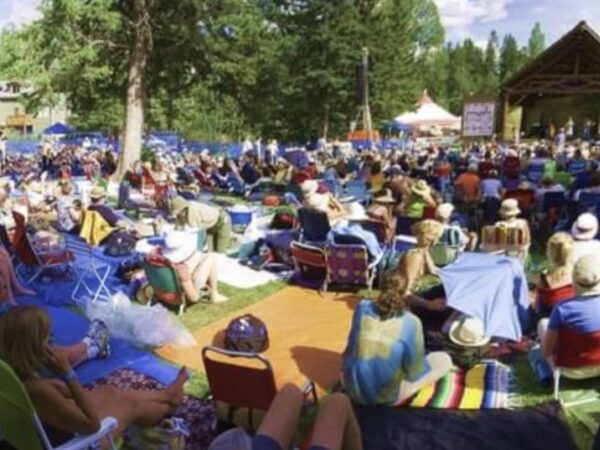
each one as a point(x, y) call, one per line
point(384, 362)
point(335, 428)
point(62, 404)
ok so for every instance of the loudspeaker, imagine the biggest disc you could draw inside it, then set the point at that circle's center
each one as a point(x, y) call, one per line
point(361, 80)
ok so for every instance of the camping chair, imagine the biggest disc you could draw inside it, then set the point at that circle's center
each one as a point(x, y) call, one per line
point(572, 351)
point(447, 249)
point(588, 201)
point(547, 298)
point(164, 281)
point(504, 240)
point(315, 226)
point(23, 429)
point(349, 264)
point(310, 263)
point(32, 259)
point(258, 387)
point(535, 172)
point(377, 227)
point(91, 273)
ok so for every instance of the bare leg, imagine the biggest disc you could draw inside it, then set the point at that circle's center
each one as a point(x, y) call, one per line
point(75, 354)
point(15, 284)
point(281, 419)
point(336, 427)
point(207, 273)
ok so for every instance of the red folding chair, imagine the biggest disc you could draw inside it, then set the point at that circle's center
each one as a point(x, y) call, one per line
point(247, 384)
point(311, 265)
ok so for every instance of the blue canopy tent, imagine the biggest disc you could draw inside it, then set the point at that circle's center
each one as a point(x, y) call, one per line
point(58, 128)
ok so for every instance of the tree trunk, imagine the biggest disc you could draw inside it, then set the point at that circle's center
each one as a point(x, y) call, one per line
point(131, 149)
point(325, 125)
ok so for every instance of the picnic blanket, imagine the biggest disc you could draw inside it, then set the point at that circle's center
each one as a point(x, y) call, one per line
point(484, 386)
point(234, 274)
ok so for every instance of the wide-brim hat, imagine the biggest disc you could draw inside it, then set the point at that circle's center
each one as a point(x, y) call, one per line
point(585, 227)
point(468, 331)
point(510, 208)
point(97, 193)
point(444, 211)
point(421, 188)
point(177, 246)
point(384, 196)
point(586, 275)
point(178, 204)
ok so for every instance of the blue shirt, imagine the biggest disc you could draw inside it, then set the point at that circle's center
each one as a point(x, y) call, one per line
point(581, 315)
point(382, 353)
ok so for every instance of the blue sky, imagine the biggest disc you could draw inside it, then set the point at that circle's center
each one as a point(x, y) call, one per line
point(461, 18)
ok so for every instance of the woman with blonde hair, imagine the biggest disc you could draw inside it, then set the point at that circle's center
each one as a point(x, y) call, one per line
point(556, 283)
point(384, 362)
point(62, 404)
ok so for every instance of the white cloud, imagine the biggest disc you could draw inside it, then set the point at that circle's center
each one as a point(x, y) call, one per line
point(458, 15)
point(18, 12)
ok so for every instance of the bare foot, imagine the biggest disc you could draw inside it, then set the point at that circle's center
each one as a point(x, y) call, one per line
point(218, 298)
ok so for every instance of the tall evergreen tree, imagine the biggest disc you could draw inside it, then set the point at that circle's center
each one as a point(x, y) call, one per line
point(537, 41)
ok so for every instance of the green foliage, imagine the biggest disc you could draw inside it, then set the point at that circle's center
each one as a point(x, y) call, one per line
point(537, 41)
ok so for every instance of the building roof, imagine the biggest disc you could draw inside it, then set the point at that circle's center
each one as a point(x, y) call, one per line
point(569, 66)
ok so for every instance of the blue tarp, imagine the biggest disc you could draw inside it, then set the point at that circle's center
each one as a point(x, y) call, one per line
point(491, 288)
point(58, 128)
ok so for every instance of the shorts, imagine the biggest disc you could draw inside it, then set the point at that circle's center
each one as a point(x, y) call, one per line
point(262, 442)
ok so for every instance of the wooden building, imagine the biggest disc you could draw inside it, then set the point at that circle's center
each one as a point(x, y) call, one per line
point(559, 89)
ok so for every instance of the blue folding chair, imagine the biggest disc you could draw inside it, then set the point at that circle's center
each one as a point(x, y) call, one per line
point(535, 172)
point(315, 226)
point(358, 190)
point(588, 201)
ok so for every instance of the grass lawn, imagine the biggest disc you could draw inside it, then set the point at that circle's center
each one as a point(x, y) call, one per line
point(528, 390)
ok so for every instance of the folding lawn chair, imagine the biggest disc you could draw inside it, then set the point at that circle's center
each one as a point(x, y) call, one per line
point(311, 265)
point(91, 272)
point(349, 264)
point(22, 428)
point(258, 388)
point(165, 284)
point(315, 226)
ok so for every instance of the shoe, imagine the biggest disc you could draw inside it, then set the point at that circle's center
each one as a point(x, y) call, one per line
point(100, 336)
point(96, 327)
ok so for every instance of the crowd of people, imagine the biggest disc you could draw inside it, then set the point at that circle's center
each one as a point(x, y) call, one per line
point(493, 198)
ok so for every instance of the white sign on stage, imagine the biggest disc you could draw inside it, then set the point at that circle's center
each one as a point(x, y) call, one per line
point(479, 119)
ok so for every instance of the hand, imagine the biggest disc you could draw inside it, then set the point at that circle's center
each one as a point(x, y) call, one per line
point(56, 362)
point(438, 304)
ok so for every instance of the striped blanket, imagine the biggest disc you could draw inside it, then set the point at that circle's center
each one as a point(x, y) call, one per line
point(484, 386)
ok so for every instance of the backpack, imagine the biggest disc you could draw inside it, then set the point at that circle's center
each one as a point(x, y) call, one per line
point(248, 334)
point(119, 243)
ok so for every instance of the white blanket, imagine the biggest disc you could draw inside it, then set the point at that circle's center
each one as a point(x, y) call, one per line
point(231, 272)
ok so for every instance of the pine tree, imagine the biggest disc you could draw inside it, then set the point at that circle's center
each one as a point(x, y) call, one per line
point(537, 41)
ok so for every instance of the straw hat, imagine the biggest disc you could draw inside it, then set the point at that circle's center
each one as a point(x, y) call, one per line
point(384, 196)
point(309, 187)
point(421, 188)
point(586, 275)
point(585, 227)
point(468, 331)
point(510, 208)
point(178, 204)
point(444, 211)
point(97, 193)
point(177, 246)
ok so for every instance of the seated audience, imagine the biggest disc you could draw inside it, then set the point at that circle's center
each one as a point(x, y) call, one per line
point(468, 186)
point(418, 200)
point(382, 210)
point(384, 362)
point(62, 404)
point(196, 270)
point(443, 214)
point(509, 212)
point(556, 283)
point(325, 202)
point(335, 427)
point(584, 232)
point(570, 338)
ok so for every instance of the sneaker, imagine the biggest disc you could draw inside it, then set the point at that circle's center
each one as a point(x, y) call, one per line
point(100, 336)
point(96, 327)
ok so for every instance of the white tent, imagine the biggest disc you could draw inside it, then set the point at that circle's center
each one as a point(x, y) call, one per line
point(429, 114)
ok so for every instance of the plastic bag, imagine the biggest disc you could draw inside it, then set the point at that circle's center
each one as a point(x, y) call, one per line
point(140, 325)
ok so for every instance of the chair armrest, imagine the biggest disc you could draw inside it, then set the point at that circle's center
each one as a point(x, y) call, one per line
point(107, 425)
